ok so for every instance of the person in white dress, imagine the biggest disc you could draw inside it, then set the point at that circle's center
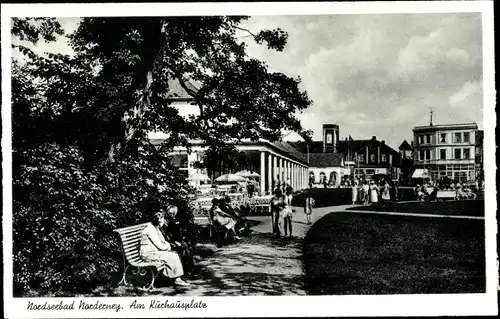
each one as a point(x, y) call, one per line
point(354, 189)
point(155, 248)
point(373, 193)
point(386, 194)
point(288, 213)
point(308, 207)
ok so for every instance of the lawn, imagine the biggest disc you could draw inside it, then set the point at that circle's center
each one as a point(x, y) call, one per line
point(459, 207)
point(349, 253)
point(324, 197)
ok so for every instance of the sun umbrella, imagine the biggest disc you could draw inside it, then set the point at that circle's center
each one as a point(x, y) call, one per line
point(230, 178)
point(198, 177)
point(247, 174)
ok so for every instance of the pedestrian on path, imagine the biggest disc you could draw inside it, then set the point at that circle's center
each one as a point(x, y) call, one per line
point(354, 189)
point(366, 190)
point(287, 212)
point(308, 206)
point(277, 207)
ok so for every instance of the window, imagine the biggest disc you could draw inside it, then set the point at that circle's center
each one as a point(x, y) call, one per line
point(458, 138)
point(442, 154)
point(466, 137)
point(428, 154)
point(384, 159)
point(361, 158)
point(428, 139)
point(458, 153)
point(442, 138)
point(421, 157)
point(420, 139)
point(329, 138)
point(372, 158)
point(390, 159)
point(466, 153)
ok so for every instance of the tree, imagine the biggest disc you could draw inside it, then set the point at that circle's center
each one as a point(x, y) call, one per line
point(83, 162)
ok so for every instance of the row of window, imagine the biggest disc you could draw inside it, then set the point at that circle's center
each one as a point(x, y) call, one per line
point(458, 153)
point(383, 158)
point(459, 137)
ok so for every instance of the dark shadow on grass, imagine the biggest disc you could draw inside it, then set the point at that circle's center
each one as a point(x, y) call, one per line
point(347, 253)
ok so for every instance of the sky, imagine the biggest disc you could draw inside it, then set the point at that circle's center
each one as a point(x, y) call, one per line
point(374, 75)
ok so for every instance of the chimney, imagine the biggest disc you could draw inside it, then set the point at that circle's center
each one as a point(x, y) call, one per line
point(374, 137)
point(383, 142)
point(411, 144)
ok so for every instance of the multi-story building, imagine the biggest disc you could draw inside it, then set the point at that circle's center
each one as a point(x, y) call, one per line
point(446, 150)
point(361, 158)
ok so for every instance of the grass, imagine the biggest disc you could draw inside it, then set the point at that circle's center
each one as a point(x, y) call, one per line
point(348, 253)
point(459, 207)
point(324, 197)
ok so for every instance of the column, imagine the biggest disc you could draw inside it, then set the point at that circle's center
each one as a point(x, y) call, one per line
point(270, 173)
point(287, 171)
point(262, 172)
point(275, 168)
point(294, 178)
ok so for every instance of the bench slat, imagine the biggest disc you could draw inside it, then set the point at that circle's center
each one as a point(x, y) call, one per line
point(130, 228)
point(131, 238)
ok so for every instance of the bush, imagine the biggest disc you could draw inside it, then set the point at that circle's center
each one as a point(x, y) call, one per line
point(324, 197)
point(64, 216)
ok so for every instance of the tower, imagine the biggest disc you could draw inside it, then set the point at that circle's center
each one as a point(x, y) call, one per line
point(330, 137)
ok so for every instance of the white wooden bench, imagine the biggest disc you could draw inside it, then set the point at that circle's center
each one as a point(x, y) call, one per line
point(130, 242)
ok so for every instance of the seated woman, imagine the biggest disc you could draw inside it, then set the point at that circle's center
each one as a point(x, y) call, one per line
point(224, 223)
point(241, 221)
point(155, 248)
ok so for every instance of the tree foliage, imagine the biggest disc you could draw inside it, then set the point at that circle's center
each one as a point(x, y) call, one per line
point(82, 162)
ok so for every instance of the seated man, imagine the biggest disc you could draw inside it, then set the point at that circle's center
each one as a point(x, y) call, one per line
point(172, 232)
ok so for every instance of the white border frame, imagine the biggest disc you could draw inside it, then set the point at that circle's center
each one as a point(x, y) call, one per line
point(390, 305)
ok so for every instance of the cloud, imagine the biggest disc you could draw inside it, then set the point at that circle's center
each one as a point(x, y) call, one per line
point(381, 74)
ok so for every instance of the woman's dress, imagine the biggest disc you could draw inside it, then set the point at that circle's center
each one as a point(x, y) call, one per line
point(154, 248)
point(354, 194)
point(373, 194)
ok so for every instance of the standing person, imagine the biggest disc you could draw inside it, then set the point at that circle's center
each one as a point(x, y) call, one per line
point(373, 192)
point(287, 212)
point(309, 203)
point(366, 191)
point(386, 195)
point(155, 248)
point(277, 205)
point(354, 189)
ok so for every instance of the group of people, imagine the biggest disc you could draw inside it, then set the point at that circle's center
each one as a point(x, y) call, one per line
point(282, 212)
point(373, 192)
point(228, 223)
point(160, 243)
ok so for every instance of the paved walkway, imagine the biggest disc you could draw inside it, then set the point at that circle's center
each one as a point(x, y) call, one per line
point(259, 264)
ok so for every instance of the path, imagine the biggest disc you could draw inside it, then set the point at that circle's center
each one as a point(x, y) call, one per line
point(257, 265)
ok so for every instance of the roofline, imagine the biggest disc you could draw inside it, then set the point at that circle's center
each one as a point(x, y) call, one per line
point(257, 143)
point(472, 125)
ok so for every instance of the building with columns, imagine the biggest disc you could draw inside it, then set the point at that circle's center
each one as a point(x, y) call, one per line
point(274, 162)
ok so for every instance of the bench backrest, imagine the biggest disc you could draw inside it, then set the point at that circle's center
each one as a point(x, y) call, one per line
point(130, 238)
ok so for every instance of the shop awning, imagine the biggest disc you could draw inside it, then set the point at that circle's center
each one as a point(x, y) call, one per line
point(420, 173)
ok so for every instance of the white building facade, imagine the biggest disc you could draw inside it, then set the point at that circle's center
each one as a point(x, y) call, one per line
point(446, 150)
